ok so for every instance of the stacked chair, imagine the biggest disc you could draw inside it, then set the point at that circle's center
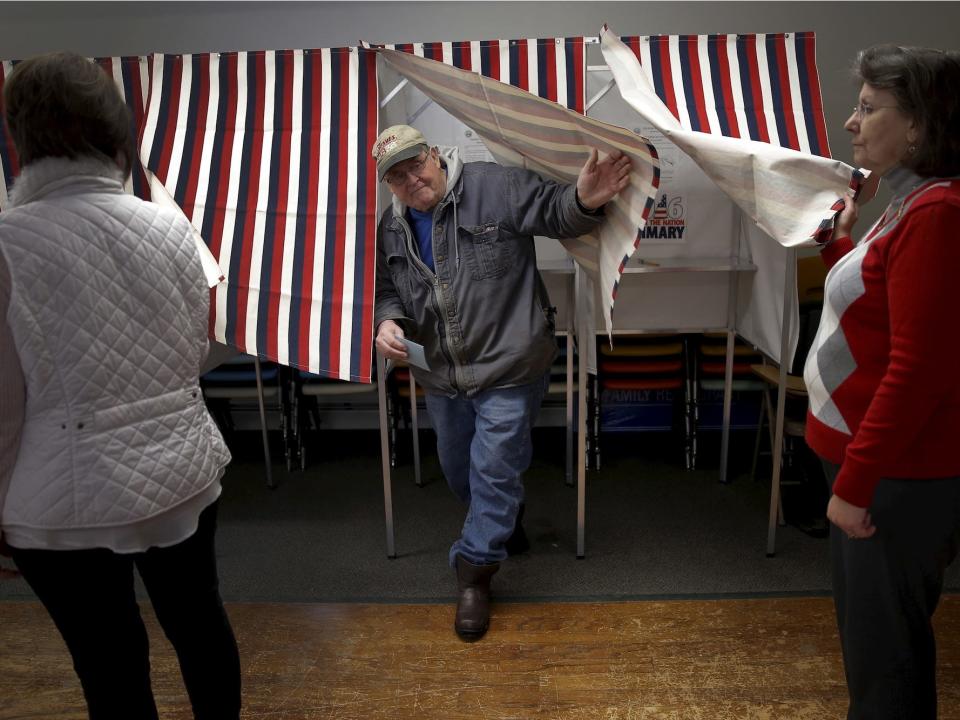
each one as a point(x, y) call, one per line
point(555, 400)
point(405, 402)
point(707, 383)
point(811, 275)
point(231, 393)
point(311, 395)
point(794, 419)
point(642, 387)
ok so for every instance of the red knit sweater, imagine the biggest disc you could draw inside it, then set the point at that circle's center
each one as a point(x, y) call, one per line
point(883, 374)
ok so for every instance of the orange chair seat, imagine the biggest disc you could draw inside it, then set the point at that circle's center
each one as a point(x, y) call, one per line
point(404, 391)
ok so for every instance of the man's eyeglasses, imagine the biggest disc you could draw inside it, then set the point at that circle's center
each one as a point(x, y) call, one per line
point(862, 110)
point(398, 176)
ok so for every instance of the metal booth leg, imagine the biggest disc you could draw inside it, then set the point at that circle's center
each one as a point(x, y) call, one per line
point(385, 453)
point(263, 425)
point(415, 431)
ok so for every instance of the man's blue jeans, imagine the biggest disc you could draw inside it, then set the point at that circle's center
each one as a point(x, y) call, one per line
point(485, 447)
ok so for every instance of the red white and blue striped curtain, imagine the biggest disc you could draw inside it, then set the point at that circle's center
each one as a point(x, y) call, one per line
point(551, 68)
point(756, 87)
point(268, 155)
point(130, 75)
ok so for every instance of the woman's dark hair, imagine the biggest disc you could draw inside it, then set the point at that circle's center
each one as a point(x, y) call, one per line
point(925, 84)
point(63, 105)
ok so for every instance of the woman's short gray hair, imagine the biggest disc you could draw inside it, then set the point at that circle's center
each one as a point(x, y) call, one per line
point(63, 105)
point(924, 82)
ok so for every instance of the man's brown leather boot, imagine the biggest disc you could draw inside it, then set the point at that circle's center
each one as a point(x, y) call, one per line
point(473, 606)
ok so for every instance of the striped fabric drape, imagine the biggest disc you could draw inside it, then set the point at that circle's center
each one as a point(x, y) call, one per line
point(792, 196)
point(130, 75)
point(551, 68)
point(756, 87)
point(526, 130)
point(268, 155)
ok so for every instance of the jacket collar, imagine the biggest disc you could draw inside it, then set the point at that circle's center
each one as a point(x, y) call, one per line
point(51, 175)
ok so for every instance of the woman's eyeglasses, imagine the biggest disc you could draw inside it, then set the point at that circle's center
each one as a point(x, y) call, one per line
point(862, 110)
point(398, 176)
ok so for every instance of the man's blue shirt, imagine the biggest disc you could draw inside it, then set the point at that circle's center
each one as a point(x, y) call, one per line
point(422, 223)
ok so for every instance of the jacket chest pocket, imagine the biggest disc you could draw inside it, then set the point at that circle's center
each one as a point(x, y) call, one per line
point(399, 268)
point(488, 252)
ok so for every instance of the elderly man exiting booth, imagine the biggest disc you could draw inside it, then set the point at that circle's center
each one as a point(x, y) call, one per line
point(457, 273)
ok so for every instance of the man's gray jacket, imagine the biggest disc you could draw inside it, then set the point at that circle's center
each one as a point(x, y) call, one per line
point(484, 318)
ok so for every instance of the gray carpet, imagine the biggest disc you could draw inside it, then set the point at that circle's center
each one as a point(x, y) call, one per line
point(653, 529)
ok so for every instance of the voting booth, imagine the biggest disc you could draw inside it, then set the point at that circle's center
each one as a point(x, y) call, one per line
point(701, 263)
point(267, 153)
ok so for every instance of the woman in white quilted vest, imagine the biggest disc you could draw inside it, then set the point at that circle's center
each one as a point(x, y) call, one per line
point(109, 460)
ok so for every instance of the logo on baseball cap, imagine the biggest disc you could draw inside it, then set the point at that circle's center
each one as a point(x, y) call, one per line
point(395, 144)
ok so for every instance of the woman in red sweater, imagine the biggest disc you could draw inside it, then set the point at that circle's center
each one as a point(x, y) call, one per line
point(884, 387)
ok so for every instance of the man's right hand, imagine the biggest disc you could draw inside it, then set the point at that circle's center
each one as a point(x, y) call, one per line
point(388, 341)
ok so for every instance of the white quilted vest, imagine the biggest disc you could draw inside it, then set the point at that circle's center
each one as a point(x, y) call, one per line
point(109, 315)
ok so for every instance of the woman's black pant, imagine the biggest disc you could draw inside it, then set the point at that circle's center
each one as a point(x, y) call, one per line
point(886, 589)
point(90, 596)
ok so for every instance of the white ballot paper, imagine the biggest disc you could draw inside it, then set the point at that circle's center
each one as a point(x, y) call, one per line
point(415, 354)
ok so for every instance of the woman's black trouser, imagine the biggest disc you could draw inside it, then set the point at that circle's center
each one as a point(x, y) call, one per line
point(886, 589)
point(90, 596)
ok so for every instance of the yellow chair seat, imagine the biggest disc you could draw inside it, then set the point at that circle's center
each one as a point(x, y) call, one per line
point(770, 374)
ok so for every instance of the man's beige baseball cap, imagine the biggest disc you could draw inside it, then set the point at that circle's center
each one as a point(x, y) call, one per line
point(395, 144)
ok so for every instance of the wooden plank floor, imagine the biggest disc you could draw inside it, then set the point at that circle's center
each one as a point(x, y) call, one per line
point(710, 659)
